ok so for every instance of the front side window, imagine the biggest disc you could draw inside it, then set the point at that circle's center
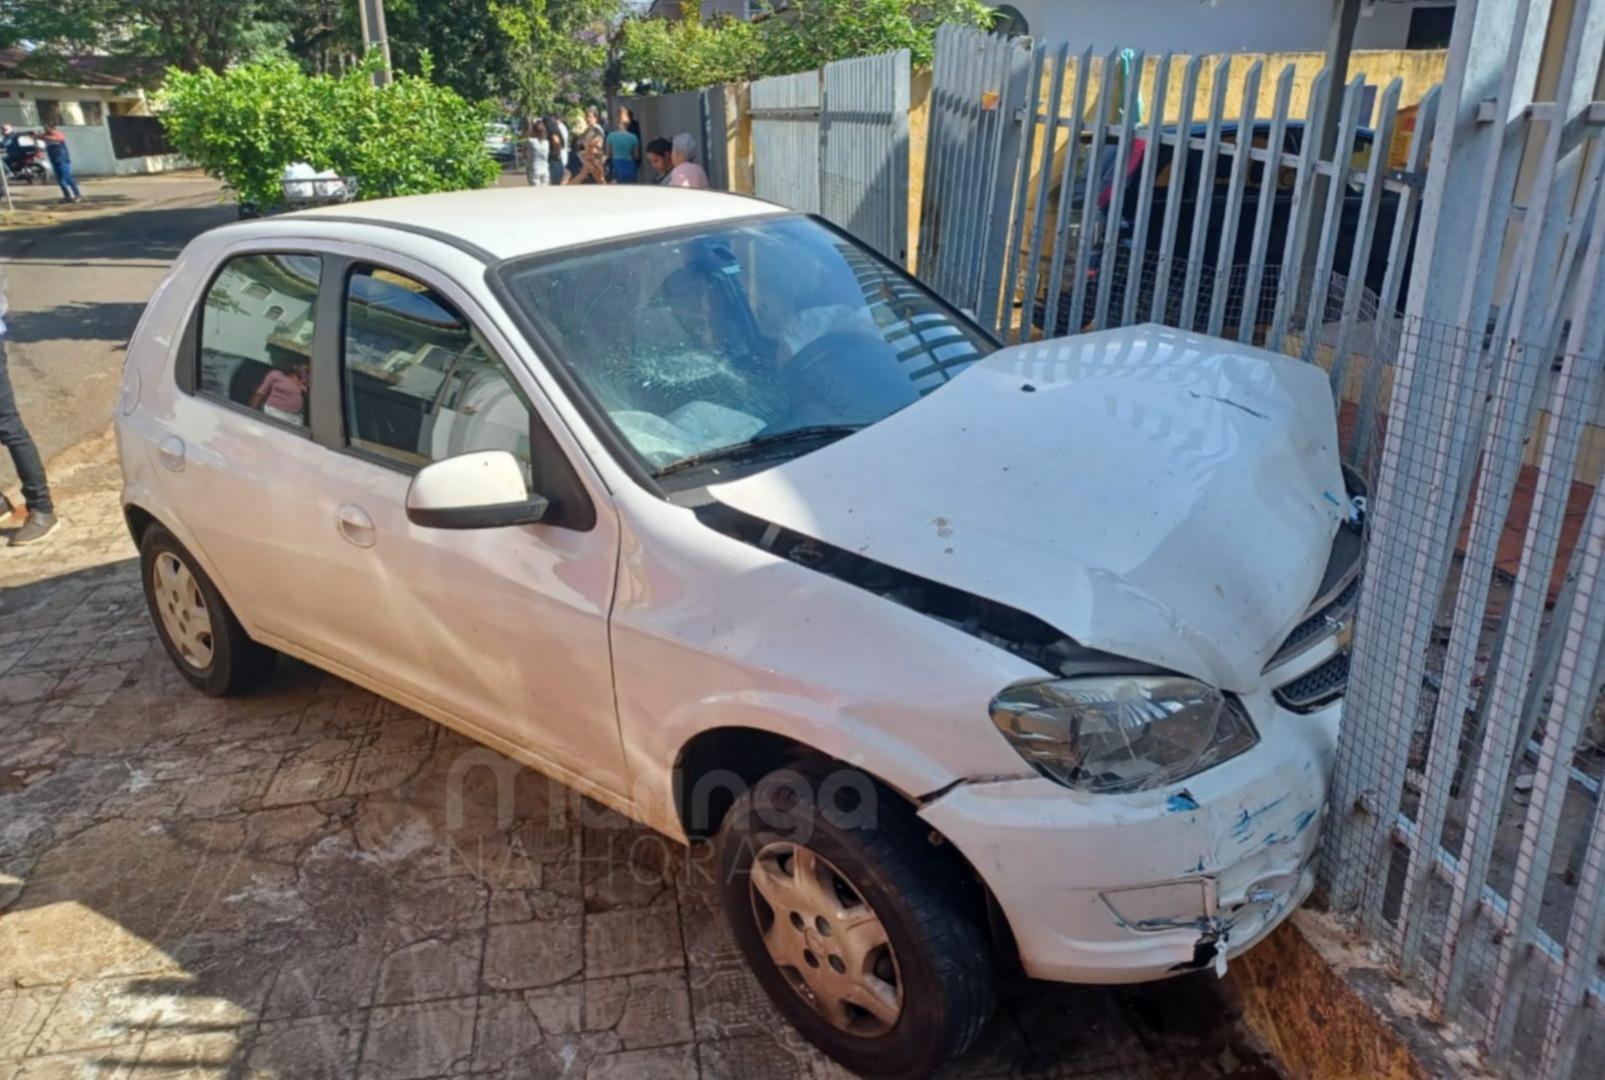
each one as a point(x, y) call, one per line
point(420, 382)
point(256, 335)
point(747, 337)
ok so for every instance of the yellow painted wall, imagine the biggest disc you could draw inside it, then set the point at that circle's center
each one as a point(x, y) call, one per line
point(919, 118)
point(738, 136)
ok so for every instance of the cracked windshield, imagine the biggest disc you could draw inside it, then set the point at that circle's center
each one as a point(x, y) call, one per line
point(764, 339)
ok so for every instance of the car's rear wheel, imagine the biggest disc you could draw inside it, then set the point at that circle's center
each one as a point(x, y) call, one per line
point(204, 639)
point(864, 936)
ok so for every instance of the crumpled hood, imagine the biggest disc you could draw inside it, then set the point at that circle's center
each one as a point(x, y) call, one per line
point(1160, 495)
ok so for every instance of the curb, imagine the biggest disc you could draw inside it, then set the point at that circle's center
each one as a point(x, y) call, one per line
point(1328, 1010)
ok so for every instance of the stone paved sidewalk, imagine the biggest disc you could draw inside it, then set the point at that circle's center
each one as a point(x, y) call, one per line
point(312, 882)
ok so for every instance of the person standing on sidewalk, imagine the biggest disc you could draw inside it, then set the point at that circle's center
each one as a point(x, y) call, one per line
point(24, 455)
point(536, 153)
point(624, 150)
point(61, 164)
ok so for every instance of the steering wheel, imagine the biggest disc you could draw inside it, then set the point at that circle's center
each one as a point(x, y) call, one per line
point(832, 379)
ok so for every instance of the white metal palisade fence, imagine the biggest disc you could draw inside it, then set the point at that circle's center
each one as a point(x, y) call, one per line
point(1061, 194)
point(1456, 298)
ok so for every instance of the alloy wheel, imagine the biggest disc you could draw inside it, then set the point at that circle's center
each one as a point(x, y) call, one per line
point(826, 939)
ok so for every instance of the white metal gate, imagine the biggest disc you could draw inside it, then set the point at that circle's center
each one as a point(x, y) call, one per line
point(785, 140)
point(863, 178)
point(835, 142)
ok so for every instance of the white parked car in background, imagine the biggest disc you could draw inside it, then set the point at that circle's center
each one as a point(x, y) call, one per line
point(701, 507)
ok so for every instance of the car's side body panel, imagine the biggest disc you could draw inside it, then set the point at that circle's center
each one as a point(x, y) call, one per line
point(709, 632)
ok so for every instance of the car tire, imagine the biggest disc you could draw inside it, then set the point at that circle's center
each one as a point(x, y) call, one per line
point(205, 641)
point(874, 861)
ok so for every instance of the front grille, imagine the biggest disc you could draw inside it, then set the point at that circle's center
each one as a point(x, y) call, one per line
point(1315, 688)
point(1320, 624)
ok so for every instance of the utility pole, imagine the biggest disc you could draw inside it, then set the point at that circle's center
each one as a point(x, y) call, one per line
point(372, 13)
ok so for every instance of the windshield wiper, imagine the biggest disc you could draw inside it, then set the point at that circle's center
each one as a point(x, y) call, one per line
point(760, 443)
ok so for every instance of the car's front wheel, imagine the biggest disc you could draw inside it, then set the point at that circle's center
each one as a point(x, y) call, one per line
point(200, 633)
point(866, 938)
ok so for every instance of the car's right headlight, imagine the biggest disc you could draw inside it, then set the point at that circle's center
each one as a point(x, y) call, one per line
point(1122, 732)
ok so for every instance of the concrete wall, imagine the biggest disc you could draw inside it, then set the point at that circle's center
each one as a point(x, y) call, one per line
point(1209, 26)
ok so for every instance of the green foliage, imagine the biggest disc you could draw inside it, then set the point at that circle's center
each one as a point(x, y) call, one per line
point(688, 54)
point(815, 32)
point(141, 37)
point(471, 54)
point(558, 50)
point(408, 138)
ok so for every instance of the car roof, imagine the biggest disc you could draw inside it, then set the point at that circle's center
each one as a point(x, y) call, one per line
point(508, 222)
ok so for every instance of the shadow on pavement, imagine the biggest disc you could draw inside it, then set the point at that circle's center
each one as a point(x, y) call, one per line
point(75, 320)
point(155, 234)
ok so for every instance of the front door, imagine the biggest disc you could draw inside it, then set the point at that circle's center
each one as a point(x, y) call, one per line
point(503, 628)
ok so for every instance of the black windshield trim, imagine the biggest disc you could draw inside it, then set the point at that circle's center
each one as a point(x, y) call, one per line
point(499, 273)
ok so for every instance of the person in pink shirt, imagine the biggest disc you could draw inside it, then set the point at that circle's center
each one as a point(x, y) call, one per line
point(686, 172)
point(283, 394)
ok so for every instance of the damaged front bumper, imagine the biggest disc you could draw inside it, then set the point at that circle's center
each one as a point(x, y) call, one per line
point(1130, 888)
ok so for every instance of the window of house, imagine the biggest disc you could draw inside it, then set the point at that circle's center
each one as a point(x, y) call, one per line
point(251, 357)
point(94, 113)
point(420, 382)
point(1430, 27)
point(49, 112)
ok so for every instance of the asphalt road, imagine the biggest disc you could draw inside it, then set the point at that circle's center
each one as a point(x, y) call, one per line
point(76, 289)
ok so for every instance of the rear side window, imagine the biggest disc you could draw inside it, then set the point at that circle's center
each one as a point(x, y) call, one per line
point(420, 382)
point(256, 335)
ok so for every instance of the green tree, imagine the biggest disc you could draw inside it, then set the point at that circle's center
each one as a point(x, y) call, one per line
point(141, 37)
point(815, 32)
point(687, 54)
point(244, 126)
point(559, 50)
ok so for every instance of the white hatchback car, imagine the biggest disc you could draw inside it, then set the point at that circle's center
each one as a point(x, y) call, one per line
point(697, 505)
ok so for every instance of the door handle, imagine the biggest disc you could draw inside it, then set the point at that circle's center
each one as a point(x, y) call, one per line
point(170, 452)
point(355, 525)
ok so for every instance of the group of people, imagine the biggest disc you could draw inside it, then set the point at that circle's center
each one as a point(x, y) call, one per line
point(580, 152)
point(54, 140)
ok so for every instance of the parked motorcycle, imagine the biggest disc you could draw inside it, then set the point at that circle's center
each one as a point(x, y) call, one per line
point(25, 160)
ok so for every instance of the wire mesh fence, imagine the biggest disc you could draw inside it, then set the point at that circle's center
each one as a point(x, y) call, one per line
point(1487, 877)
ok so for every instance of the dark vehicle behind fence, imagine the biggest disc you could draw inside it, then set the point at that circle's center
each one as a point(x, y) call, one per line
point(1139, 258)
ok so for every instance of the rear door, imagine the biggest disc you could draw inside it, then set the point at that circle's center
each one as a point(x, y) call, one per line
point(238, 444)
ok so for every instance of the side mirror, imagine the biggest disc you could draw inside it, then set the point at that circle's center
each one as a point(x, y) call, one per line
point(482, 490)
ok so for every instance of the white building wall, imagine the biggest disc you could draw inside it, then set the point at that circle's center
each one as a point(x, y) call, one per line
point(1209, 26)
point(89, 144)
